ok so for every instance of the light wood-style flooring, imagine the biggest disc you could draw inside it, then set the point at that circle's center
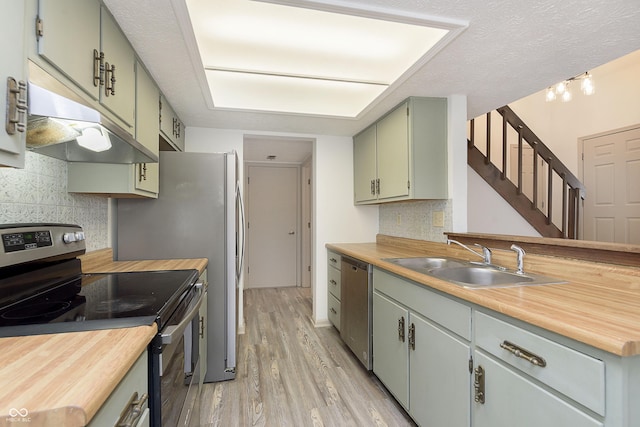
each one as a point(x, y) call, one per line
point(290, 373)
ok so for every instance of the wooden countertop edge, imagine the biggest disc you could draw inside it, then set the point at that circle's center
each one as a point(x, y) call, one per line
point(508, 301)
point(64, 379)
point(101, 261)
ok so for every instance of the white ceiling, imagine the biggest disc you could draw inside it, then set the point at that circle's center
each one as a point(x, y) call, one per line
point(512, 48)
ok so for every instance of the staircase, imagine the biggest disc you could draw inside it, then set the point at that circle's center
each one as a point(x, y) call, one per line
point(532, 180)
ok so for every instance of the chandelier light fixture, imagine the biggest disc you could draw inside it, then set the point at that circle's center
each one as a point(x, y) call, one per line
point(562, 90)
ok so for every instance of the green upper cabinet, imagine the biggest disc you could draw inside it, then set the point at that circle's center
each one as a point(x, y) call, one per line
point(83, 43)
point(12, 85)
point(118, 91)
point(147, 110)
point(171, 127)
point(69, 37)
point(364, 165)
point(403, 156)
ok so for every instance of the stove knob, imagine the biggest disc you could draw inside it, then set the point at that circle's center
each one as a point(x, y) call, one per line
point(79, 236)
point(69, 237)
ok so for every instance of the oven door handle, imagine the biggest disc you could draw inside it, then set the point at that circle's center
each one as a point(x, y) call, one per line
point(174, 332)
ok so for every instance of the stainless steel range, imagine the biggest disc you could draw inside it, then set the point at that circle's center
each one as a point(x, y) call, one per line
point(43, 291)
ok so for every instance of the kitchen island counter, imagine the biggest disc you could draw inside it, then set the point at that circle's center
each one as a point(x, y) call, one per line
point(599, 304)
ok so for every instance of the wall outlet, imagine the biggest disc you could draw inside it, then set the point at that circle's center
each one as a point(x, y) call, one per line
point(437, 219)
point(398, 219)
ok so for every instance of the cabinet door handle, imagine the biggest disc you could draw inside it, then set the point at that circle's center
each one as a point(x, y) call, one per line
point(520, 352)
point(201, 326)
point(98, 68)
point(333, 310)
point(478, 385)
point(16, 106)
point(142, 175)
point(401, 329)
point(373, 187)
point(110, 79)
point(333, 282)
point(412, 336)
point(378, 186)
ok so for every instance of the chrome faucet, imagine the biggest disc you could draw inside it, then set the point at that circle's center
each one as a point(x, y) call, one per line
point(485, 255)
point(520, 254)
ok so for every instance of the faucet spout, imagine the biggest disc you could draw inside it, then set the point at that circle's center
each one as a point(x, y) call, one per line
point(485, 255)
point(520, 253)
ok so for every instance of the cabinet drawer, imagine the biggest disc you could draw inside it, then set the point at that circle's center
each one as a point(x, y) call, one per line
point(448, 313)
point(572, 373)
point(333, 281)
point(334, 311)
point(334, 259)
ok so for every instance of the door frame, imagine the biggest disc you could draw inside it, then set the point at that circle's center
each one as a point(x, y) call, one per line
point(298, 168)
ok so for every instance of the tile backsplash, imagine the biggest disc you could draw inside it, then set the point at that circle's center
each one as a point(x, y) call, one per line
point(38, 193)
point(417, 219)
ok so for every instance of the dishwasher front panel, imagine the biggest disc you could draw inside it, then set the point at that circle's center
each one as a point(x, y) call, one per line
point(356, 301)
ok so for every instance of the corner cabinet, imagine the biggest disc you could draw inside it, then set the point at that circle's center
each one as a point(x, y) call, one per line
point(403, 156)
point(13, 86)
point(126, 180)
point(421, 350)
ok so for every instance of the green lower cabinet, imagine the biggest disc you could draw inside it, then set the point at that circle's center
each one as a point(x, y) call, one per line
point(418, 359)
point(510, 399)
point(439, 376)
point(390, 361)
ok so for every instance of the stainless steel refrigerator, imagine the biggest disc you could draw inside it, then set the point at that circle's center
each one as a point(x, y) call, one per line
point(194, 216)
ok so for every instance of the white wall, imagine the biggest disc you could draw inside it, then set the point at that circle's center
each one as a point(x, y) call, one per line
point(615, 104)
point(334, 216)
point(490, 213)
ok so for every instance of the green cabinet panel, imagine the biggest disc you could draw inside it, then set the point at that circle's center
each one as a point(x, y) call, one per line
point(403, 156)
point(390, 361)
point(12, 60)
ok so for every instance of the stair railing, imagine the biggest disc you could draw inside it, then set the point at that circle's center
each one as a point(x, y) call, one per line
point(572, 189)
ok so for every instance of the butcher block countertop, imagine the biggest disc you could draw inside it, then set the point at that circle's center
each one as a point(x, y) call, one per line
point(599, 305)
point(63, 379)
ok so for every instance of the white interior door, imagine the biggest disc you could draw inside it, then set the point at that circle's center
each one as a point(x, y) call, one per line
point(272, 226)
point(612, 177)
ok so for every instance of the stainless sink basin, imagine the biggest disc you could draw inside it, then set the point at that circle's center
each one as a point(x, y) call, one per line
point(471, 275)
point(424, 264)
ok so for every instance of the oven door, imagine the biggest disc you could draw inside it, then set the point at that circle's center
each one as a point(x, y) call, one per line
point(178, 379)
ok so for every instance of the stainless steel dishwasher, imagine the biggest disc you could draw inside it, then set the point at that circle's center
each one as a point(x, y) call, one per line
point(355, 308)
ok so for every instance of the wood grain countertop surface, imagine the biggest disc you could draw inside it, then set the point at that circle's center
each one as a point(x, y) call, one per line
point(599, 304)
point(63, 379)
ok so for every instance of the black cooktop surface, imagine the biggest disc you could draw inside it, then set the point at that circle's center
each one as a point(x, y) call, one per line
point(99, 301)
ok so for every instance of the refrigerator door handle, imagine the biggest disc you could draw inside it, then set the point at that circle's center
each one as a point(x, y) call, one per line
point(240, 249)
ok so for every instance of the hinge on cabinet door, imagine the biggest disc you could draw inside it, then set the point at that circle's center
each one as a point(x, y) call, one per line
point(478, 385)
point(412, 336)
point(407, 111)
point(308, 268)
point(409, 185)
point(308, 225)
point(39, 28)
point(470, 364)
point(309, 181)
point(248, 180)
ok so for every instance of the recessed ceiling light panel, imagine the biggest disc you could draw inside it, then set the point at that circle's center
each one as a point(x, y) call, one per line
point(274, 57)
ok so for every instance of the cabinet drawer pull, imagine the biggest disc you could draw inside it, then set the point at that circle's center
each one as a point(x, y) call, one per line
point(333, 310)
point(333, 282)
point(110, 79)
point(98, 68)
point(133, 411)
point(401, 329)
point(523, 354)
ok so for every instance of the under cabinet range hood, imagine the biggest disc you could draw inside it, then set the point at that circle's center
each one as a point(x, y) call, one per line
point(68, 129)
